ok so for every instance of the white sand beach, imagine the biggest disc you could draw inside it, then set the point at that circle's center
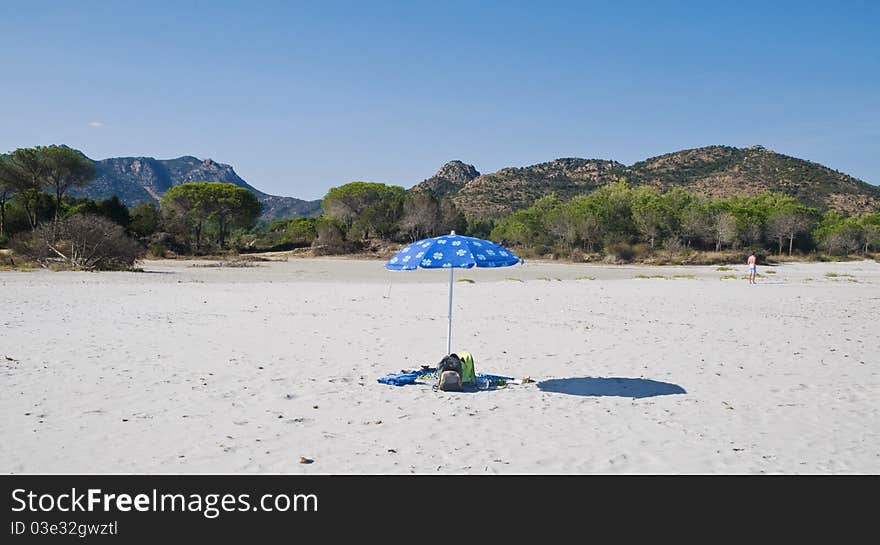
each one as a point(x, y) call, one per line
point(186, 368)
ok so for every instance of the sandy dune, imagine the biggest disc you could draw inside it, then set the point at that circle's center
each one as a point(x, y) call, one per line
point(186, 368)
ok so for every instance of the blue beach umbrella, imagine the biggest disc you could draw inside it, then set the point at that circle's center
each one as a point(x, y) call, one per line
point(451, 252)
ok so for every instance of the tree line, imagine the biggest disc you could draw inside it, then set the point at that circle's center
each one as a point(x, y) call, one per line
point(611, 220)
point(617, 216)
point(206, 217)
point(40, 221)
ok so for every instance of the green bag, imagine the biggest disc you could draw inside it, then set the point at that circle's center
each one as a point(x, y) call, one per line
point(468, 374)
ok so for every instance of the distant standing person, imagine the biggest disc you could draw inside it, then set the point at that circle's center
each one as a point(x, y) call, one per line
point(753, 268)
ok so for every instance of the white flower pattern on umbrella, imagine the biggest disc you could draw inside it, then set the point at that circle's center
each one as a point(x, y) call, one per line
point(437, 255)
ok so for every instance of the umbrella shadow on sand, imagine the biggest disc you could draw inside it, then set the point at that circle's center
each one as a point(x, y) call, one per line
point(610, 386)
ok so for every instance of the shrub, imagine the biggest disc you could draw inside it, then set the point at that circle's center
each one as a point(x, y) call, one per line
point(302, 230)
point(620, 251)
point(577, 255)
point(330, 237)
point(278, 226)
point(673, 244)
point(157, 249)
point(529, 252)
point(81, 242)
point(542, 250)
point(145, 219)
point(168, 242)
point(641, 251)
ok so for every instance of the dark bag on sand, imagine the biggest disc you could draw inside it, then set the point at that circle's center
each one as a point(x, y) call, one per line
point(449, 373)
point(449, 363)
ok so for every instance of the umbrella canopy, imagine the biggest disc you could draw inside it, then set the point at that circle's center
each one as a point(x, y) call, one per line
point(451, 252)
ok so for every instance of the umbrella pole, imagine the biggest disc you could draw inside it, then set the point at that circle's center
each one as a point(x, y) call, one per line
point(449, 331)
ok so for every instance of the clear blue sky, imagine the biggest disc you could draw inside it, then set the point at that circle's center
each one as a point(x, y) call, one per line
point(300, 97)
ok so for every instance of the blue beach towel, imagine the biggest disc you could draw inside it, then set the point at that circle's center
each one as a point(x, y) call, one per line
point(402, 379)
point(399, 379)
point(494, 378)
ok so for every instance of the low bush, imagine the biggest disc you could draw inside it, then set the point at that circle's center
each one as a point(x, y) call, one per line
point(620, 252)
point(81, 242)
point(157, 249)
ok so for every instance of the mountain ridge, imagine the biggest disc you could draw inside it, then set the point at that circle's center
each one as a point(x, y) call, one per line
point(709, 171)
point(146, 179)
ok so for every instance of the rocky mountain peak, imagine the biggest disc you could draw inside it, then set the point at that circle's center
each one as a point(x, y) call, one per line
point(457, 172)
point(451, 177)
